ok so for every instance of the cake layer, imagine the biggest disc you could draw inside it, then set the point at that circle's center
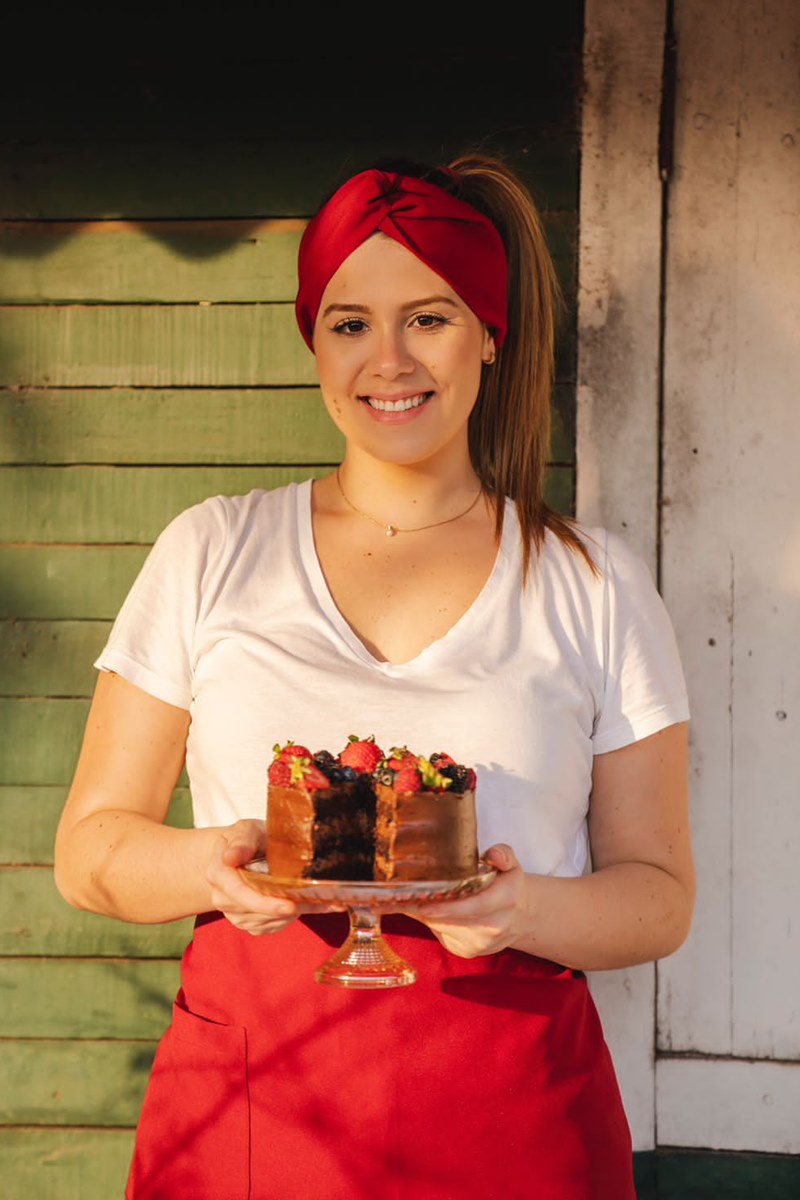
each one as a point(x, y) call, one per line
point(425, 835)
point(328, 833)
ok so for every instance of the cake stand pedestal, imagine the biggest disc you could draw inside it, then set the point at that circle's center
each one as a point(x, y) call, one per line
point(365, 959)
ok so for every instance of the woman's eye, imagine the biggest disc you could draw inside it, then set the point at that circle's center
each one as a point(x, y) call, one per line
point(350, 325)
point(430, 320)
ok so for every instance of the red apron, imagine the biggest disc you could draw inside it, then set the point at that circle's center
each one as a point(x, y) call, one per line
point(488, 1077)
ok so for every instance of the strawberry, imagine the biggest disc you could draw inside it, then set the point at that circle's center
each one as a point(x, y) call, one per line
point(291, 750)
point(398, 756)
point(441, 759)
point(293, 766)
point(361, 754)
point(472, 780)
point(307, 775)
point(408, 779)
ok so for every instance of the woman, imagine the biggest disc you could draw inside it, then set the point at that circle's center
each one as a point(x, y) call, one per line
point(484, 624)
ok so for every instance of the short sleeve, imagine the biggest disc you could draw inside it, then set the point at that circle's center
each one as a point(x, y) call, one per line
point(644, 687)
point(151, 643)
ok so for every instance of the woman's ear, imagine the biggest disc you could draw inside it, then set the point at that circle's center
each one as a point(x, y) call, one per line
point(489, 352)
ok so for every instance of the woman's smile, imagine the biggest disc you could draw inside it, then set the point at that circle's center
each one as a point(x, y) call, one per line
point(391, 409)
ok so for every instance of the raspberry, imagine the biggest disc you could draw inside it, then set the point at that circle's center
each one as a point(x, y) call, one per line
point(280, 773)
point(361, 754)
point(440, 760)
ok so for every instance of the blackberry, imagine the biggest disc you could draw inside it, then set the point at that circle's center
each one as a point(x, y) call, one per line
point(348, 774)
point(459, 775)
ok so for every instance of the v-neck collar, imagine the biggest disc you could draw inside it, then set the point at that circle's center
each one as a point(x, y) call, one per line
point(448, 644)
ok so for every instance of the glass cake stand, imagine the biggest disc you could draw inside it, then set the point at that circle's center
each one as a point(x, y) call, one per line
point(365, 959)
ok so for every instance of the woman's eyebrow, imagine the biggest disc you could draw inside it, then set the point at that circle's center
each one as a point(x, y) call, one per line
point(334, 308)
point(424, 302)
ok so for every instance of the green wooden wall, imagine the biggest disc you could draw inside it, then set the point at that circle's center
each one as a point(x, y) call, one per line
point(150, 217)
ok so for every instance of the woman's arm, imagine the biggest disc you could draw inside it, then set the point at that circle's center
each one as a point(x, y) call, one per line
point(113, 853)
point(636, 905)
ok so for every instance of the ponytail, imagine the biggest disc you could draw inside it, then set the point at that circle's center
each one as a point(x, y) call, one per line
point(509, 429)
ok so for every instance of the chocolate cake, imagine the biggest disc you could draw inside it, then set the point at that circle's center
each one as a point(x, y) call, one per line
point(366, 815)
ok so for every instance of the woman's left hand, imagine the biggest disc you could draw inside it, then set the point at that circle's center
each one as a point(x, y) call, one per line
point(486, 922)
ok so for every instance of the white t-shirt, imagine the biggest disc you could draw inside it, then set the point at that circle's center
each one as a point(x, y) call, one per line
point(231, 618)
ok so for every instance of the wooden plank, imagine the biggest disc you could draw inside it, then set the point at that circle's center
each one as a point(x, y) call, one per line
point(73, 1082)
point(617, 389)
point(50, 658)
point(99, 998)
point(133, 504)
point(762, 445)
point(35, 920)
point(188, 425)
point(122, 261)
point(255, 179)
point(731, 573)
point(158, 345)
point(178, 261)
point(619, 296)
point(729, 1104)
point(118, 504)
point(28, 819)
point(65, 1164)
point(54, 582)
point(562, 436)
point(192, 425)
point(40, 739)
point(559, 489)
point(29, 816)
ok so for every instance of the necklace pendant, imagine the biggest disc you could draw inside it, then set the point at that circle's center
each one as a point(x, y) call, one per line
point(390, 531)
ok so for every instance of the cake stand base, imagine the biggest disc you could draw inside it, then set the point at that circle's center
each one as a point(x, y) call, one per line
point(365, 960)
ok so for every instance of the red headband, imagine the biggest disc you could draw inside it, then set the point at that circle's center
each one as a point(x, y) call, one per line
point(451, 237)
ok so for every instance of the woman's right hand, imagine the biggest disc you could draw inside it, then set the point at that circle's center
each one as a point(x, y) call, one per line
point(244, 907)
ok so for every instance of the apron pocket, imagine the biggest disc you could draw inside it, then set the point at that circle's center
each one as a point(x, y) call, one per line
point(193, 1137)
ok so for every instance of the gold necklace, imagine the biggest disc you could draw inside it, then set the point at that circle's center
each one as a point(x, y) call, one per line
point(391, 530)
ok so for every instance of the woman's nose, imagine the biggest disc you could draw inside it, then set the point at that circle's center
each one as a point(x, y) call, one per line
point(391, 356)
